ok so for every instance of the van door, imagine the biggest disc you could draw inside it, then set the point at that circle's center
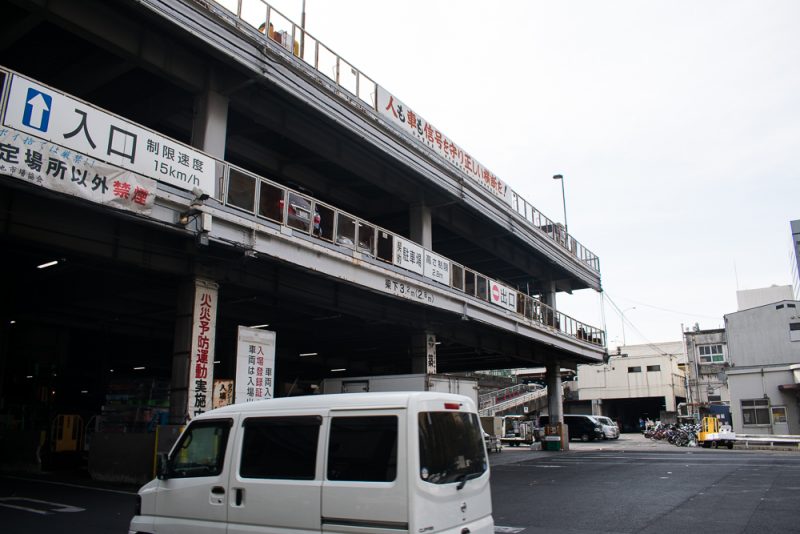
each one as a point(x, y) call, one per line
point(276, 482)
point(363, 490)
point(193, 497)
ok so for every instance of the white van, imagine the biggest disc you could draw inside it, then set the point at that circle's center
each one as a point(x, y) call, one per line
point(365, 463)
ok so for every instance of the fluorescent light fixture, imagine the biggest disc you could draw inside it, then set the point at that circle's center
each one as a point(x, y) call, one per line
point(12, 321)
point(48, 264)
point(260, 326)
point(84, 391)
point(29, 376)
point(338, 370)
point(216, 361)
point(139, 368)
point(304, 354)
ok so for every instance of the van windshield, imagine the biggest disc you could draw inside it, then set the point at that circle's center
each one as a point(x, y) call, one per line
point(450, 447)
point(604, 421)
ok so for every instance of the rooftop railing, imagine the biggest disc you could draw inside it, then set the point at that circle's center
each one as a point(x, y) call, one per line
point(258, 16)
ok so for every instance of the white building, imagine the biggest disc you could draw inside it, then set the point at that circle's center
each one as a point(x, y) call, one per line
point(763, 378)
point(706, 366)
point(642, 381)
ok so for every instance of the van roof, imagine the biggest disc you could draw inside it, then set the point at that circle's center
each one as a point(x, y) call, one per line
point(395, 399)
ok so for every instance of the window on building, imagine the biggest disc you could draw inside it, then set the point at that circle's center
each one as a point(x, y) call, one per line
point(710, 353)
point(755, 411)
point(653, 368)
point(280, 447)
point(636, 369)
point(715, 398)
point(794, 331)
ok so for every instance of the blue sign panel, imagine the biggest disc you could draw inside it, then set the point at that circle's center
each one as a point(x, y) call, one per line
point(37, 110)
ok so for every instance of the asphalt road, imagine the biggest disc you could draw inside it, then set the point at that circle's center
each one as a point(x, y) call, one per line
point(624, 486)
point(636, 485)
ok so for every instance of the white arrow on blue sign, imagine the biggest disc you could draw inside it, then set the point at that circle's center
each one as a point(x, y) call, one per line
point(37, 110)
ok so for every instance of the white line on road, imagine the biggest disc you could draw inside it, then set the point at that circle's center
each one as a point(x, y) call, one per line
point(71, 485)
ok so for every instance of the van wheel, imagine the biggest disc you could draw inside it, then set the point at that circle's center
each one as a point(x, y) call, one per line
point(730, 445)
point(584, 437)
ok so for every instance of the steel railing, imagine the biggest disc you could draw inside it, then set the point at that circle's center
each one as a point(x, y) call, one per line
point(259, 17)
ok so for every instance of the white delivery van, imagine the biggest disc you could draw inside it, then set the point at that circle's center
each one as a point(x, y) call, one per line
point(366, 463)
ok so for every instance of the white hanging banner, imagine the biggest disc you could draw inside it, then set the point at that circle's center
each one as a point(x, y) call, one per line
point(53, 167)
point(201, 366)
point(255, 364)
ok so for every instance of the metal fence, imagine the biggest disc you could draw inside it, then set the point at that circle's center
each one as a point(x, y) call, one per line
point(257, 16)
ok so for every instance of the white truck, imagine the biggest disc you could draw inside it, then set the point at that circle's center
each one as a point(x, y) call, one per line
point(410, 382)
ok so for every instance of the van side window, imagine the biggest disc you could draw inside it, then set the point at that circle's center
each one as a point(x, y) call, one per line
point(201, 450)
point(363, 448)
point(280, 447)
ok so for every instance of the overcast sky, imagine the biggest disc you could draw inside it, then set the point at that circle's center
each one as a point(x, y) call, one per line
point(676, 125)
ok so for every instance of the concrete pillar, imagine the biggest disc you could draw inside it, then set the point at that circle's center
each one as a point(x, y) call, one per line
point(549, 293)
point(193, 350)
point(420, 225)
point(423, 353)
point(555, 408)
point(210, 125)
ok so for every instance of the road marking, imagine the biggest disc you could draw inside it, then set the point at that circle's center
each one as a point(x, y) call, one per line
point(71, 485)
point(52, 506)
point(508, 530)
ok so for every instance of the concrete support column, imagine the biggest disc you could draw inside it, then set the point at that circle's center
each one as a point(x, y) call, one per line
point(210, 125)
point(423, 353)
point(420, 225)
point(555, 408)
point(549, 294)
point(192, 382)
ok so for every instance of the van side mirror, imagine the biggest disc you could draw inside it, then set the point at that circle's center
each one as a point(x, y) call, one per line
point(162, 466)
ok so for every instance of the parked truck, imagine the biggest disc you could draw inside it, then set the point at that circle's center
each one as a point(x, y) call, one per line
point(517, 430)
point(411, 382)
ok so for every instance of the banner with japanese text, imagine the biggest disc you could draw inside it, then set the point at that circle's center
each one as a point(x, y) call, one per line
point(223, 393)
point(414, 125)
point(255, 364)
point(502, 296)
point(56, 168)
point(408, 255)
point(56, 117)
point(437, 268)
point(201, 363)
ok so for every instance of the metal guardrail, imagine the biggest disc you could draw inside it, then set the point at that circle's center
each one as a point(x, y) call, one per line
point(519, 397)
point(259, 16)
point(770, 439)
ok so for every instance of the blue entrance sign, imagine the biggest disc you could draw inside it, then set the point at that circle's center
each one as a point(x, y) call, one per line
point(37, 110)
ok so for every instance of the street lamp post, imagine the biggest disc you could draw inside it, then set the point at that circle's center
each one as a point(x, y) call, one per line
point(564, 200)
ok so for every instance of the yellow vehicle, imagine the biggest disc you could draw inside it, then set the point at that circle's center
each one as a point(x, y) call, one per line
point(712, 434)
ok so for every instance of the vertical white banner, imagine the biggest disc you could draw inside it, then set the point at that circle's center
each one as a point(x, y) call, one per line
point(430, 347)
point(255, 364)
point(201, 364)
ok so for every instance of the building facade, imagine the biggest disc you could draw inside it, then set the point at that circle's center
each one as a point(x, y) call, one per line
point(764, 357)
point(706, 366)
point(641, 381)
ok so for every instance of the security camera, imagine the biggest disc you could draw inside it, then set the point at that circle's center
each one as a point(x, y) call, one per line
point(199, 194)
